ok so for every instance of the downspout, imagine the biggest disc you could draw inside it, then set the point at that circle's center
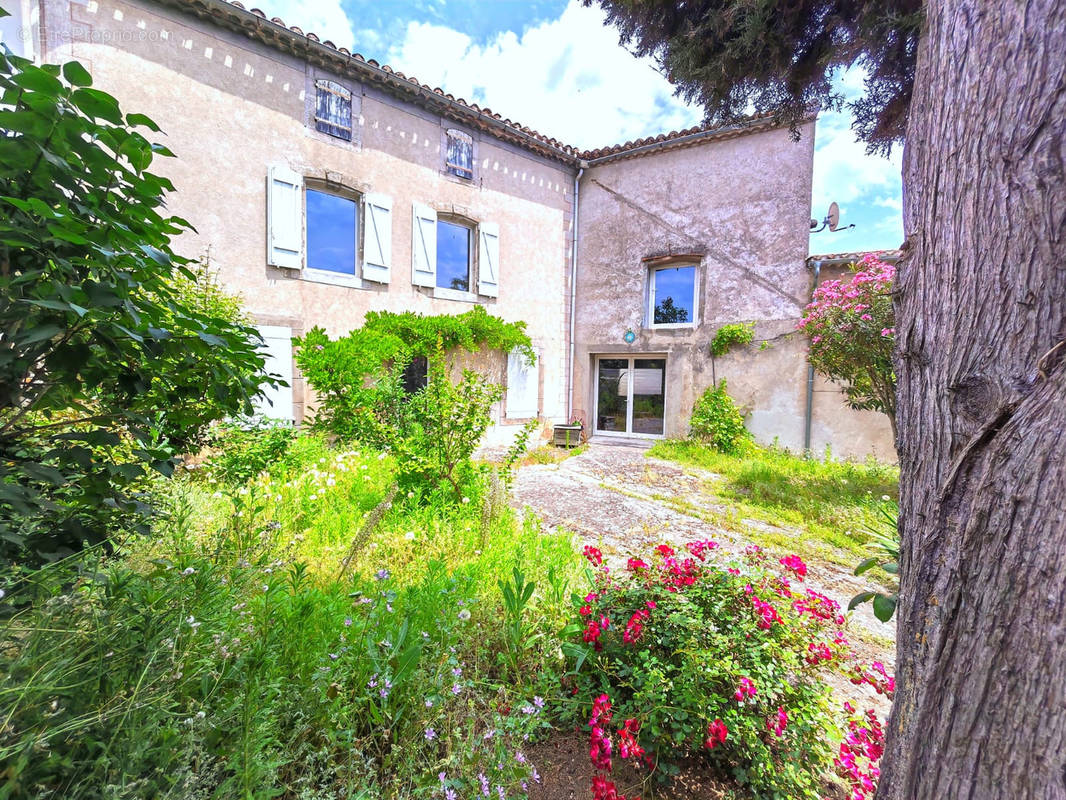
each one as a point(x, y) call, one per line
point(573, 296)
point(810, 378)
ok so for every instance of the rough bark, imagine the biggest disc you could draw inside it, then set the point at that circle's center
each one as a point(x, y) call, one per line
point(980, 708)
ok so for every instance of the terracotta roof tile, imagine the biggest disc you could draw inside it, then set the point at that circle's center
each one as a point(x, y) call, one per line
point(847, 258)
point(480, 117)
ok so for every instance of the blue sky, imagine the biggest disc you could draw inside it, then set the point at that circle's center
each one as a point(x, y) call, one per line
point(553, 65)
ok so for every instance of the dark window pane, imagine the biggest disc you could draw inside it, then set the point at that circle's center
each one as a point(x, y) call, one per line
point(331, 225)
point(675, 300)
point(612, 397)
point(333, 110)
point(649, 393)
point(453, 256)
point(416, 375)
point(460, 156)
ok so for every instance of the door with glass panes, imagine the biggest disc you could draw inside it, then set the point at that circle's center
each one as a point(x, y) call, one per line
point(630, 395)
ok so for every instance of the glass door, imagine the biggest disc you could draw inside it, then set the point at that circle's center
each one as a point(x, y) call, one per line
point(630, 396)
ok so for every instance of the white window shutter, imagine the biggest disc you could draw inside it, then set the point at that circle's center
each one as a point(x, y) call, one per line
point(489, 259)
point(377, 237)
point(285, 218)
point(276, 402)
point(523, 386)
point(424, 246)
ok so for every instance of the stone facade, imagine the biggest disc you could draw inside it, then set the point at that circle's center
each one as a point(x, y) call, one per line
point(236, 98)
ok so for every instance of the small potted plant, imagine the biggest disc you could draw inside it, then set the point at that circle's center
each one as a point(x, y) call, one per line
point(568, 435)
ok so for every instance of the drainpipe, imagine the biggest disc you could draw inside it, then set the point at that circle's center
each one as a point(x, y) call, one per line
point(573, 297)
point(810, 379)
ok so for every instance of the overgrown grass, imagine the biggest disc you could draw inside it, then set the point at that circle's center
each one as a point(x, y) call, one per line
point(296, 636)
point(834, 504)
point(550, 454)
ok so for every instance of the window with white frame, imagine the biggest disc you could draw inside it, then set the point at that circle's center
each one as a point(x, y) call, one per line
point(333, 109)
point(672, 296)
point(454, 254)
point(459, 158)
point(317, 228)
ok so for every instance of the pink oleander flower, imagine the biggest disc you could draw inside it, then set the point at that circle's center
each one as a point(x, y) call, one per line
point(744, 690)
point(716, 734)
point(795, 565)
point(777, 723)
point(594, 555)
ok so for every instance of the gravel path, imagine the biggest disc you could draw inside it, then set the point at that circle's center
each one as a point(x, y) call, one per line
point(614, 496)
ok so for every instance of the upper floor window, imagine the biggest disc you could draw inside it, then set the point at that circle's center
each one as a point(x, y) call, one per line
point(672, 295)
point(443, 254)
point(454, 255)
point(460, 155)
point(333, 109)
point(332, 231)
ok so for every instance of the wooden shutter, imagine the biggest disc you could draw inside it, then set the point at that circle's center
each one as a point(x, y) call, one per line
point(523, 386)
point(377, 237)
point(284, 218)
point(424, 246)
point(333, 109)
point(276, 402)
point(489, 259)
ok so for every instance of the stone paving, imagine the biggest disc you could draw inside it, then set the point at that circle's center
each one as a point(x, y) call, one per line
point(614, 496)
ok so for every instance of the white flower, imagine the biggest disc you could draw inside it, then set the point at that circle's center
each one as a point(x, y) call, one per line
point(186, 571)
point(2, 593)
point(192, 622)
point(464, 615)
point(410, 495)
point(466, 500)
point(885, 497)
point(409, 536)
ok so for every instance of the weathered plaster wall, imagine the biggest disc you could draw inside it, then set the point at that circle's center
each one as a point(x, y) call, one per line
point(231, 107)
point(744, 205)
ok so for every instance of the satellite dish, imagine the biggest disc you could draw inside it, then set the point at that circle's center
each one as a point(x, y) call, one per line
point(831, 221)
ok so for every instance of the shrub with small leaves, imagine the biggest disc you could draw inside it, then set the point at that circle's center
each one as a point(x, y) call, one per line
point(732, 335)
point(727, 663)
point(717, 421)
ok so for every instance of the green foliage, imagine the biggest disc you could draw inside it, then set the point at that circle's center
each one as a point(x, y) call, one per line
point(446, 423)
point(243, 450)
point(717, 421)
point(731, 335)
point(222, 658)
point(359, 377)
point(681, 638)
point(105, 337)
point(832, 503)
point(852, 332)
point(885, 543)
point(735, 56)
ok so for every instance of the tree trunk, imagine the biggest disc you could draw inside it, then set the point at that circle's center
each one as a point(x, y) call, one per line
point(980, 707)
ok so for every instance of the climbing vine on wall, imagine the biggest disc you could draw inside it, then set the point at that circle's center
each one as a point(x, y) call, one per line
point(359, 378)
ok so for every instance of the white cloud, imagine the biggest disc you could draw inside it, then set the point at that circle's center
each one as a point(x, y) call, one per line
point(324, 18)
point(566, 78)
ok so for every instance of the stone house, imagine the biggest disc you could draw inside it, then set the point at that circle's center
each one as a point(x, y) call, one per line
point(323, 185)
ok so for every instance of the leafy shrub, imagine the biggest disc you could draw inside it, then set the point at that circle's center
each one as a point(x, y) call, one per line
point(358, 378)
point(224, 658)
point(102, 343)
point(852, 330)
point(731, 335)
point(720, 663)
point(246, 449)
point(885, 541)
point(717, 421)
